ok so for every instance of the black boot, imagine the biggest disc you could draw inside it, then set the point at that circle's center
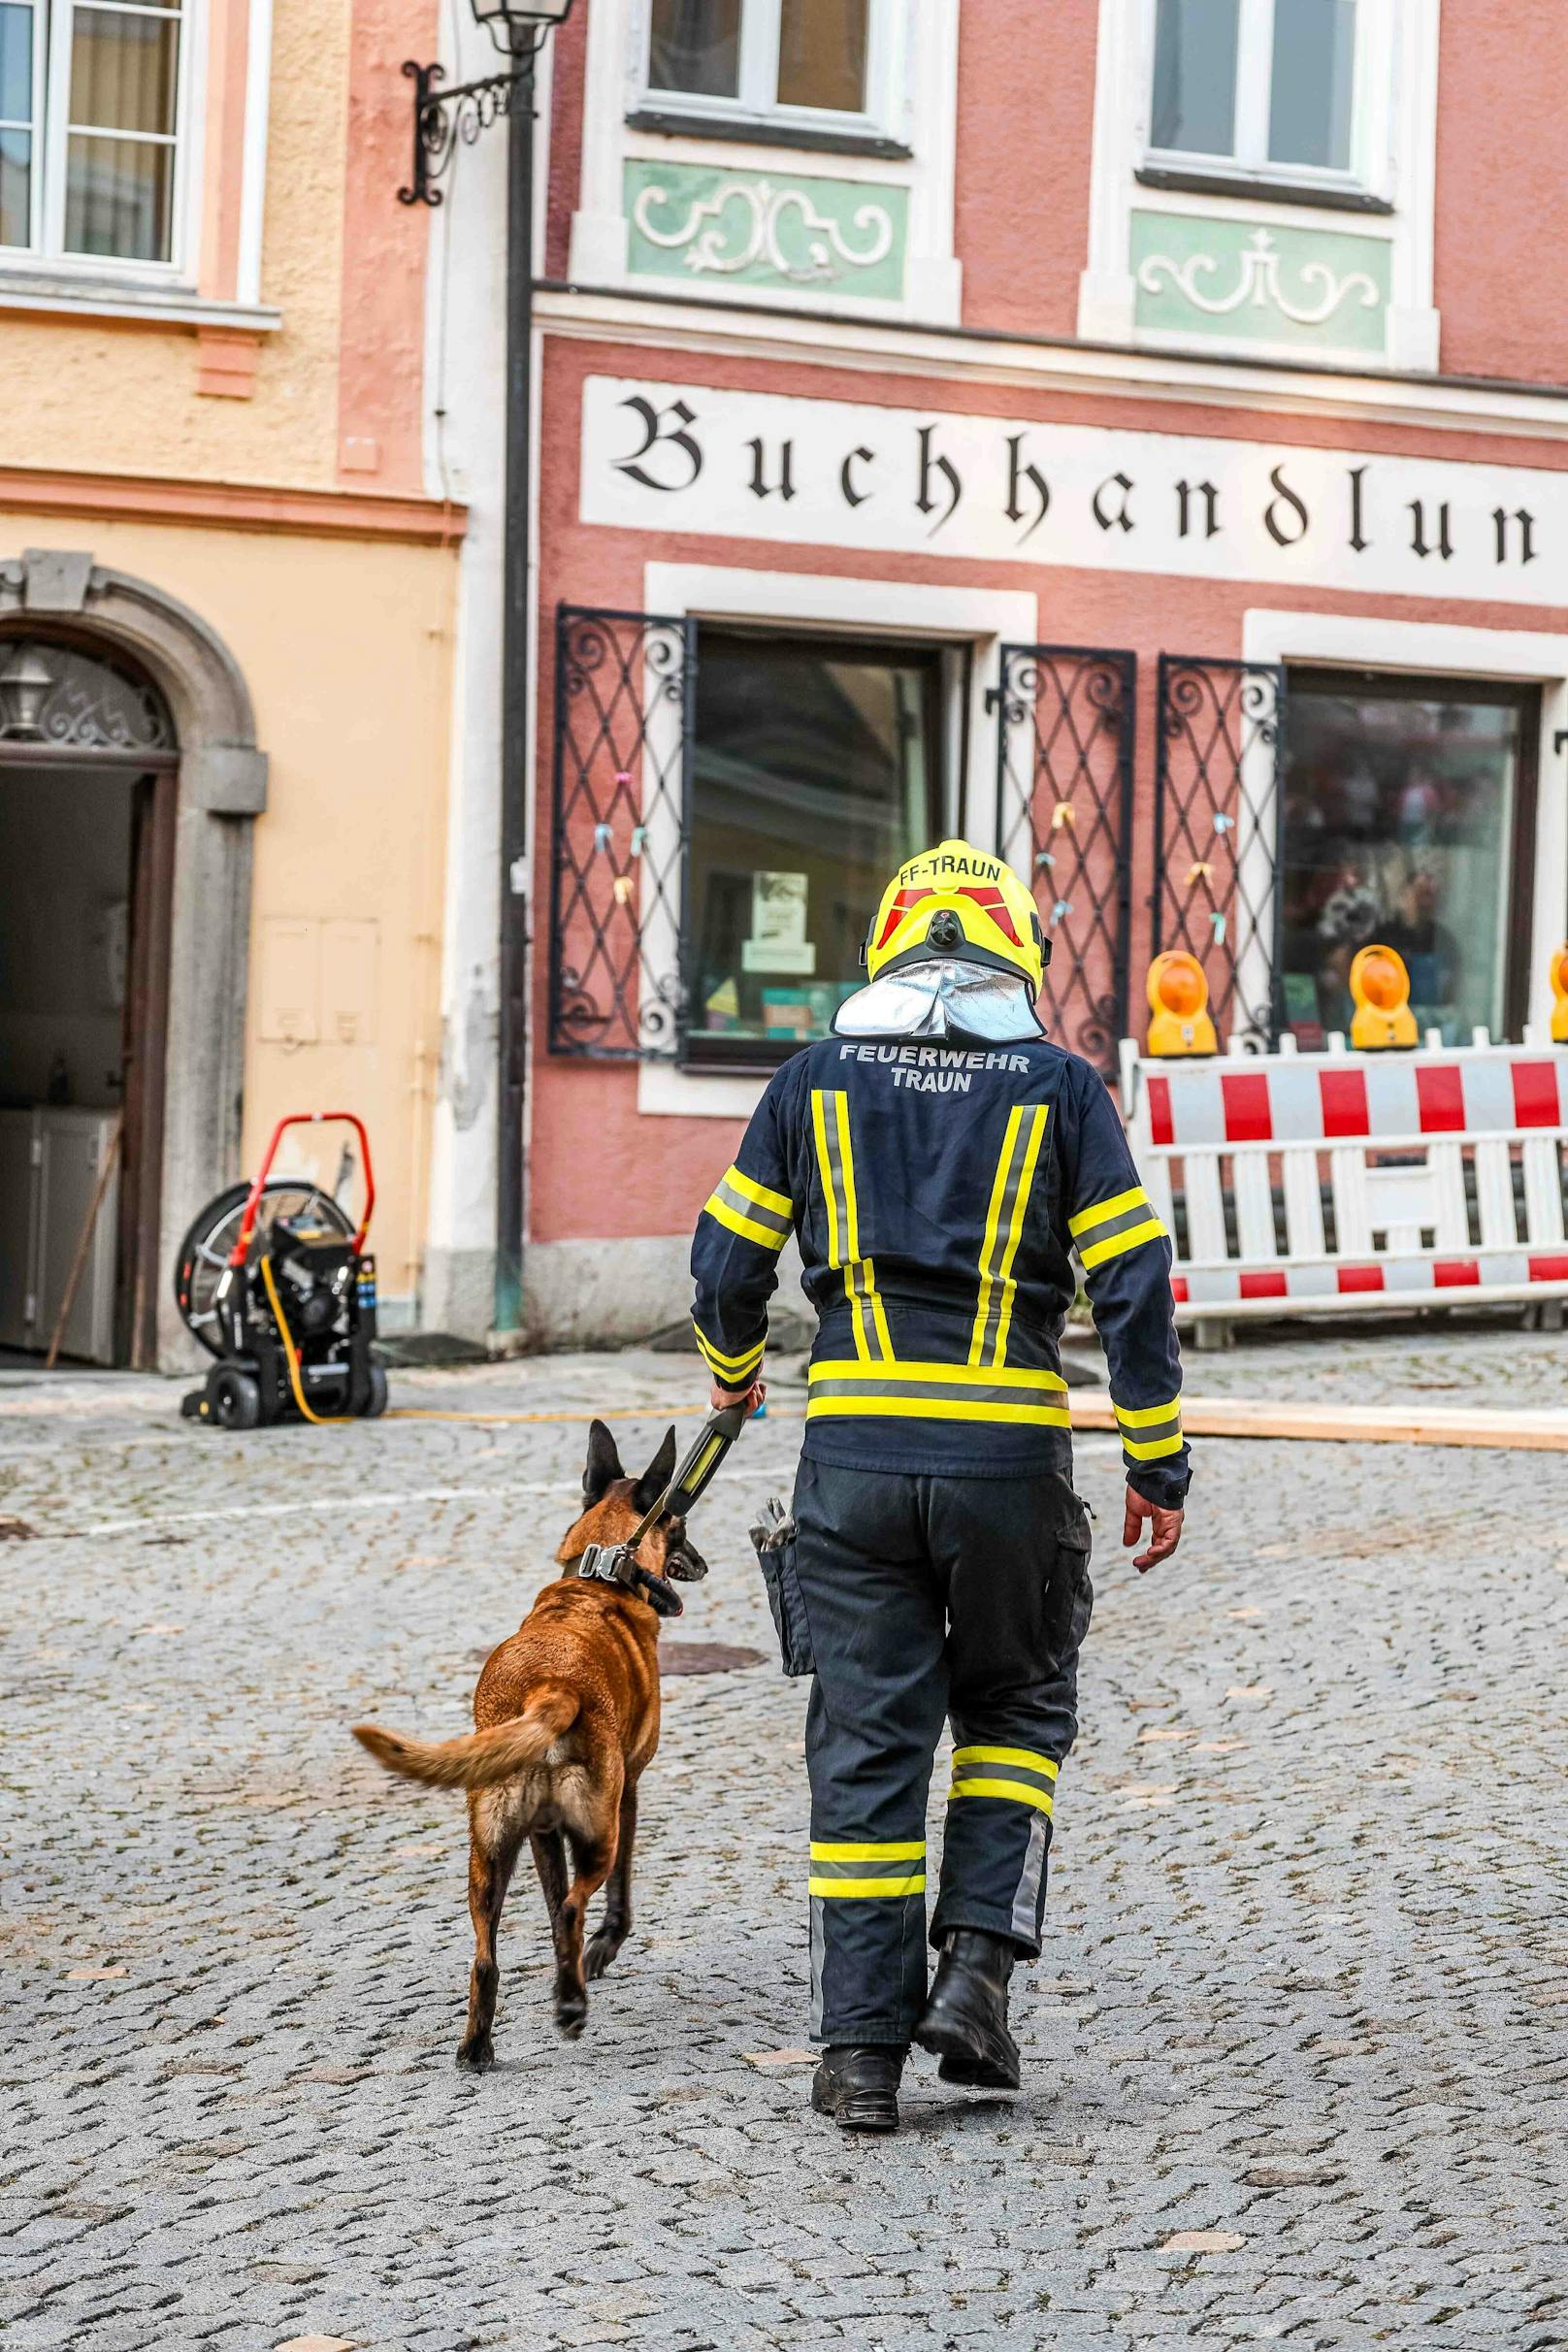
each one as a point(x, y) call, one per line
point(965, 2019)
point(858, 2086)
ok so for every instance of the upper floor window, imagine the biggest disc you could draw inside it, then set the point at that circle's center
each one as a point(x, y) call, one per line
point(90, 128)
point(819, 63)
point(1266, 87)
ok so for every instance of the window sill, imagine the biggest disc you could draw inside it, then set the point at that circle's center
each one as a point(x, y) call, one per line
point(739, 130)
point(57, 294)
point(1260, 190)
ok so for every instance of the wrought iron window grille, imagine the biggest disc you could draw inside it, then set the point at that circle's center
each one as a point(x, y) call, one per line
point(624, 711)
point(57, 699)
point(1064, 742)
point(1218, 740)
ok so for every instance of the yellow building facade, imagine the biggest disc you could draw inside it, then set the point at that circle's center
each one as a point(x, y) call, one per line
point(227, 605)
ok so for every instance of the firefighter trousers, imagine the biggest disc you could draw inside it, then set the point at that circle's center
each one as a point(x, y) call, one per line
point(915, 1599)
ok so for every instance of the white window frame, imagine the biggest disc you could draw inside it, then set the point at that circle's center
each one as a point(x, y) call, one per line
point(1370, 164)
point(755, 100)
point(923, 104)
point(53, 29)
point(1394, 152)
point(799, 603)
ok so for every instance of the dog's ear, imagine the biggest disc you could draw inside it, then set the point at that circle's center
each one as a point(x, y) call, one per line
point(657, 1476)
point(604, 1463)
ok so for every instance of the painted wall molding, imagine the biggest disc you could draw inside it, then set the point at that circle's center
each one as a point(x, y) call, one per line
point(1259, 282)
point(1193, 377)
point(727, 224)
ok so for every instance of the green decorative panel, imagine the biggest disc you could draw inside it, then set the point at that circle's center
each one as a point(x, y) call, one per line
point(694, 221)
point(1306, 289)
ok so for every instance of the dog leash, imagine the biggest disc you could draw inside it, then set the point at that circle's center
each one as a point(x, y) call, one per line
point(618, 1563)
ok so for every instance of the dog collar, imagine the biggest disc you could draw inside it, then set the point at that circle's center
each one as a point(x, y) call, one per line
point(615, 1564)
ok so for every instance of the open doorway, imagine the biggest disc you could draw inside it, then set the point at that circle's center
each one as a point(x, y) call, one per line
point(88, 798)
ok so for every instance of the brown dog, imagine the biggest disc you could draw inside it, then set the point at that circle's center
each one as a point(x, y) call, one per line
point(567, 1716)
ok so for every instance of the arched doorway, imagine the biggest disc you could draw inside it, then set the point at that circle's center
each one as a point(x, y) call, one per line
point(149, 665)
point(88, 780)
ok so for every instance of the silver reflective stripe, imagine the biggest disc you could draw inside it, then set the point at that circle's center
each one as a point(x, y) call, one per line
point(835, 1174)
point(878, 1866)
point(1140, 1213)
point(819, 1946)
point(946, 1392)
point(1026, 1901)
point(752, 1210)
point(987, 1771)
point(996, 1286)
point(1168, 1425)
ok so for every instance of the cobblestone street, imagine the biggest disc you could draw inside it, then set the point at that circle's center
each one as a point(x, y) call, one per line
point(1295, 2061)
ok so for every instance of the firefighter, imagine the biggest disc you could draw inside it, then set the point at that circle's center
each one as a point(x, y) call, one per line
point(938, 1159)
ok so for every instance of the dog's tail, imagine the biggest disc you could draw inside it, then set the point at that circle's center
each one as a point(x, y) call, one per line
point(482, 1758)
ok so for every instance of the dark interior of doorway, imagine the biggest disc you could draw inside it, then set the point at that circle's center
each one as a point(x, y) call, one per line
point(86, 843)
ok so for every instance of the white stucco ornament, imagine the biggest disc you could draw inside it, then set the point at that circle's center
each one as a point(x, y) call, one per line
point(1258, 283)
point(714, 247)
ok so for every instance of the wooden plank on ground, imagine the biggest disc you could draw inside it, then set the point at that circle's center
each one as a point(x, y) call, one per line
point(1404, 1424)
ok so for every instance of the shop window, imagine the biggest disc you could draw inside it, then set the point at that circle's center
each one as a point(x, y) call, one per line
point(90, 128)
point(817, 768)
point(1264, 86)
point(1408, 818)
point(811, 64)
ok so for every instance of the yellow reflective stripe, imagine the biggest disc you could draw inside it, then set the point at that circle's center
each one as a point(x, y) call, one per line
point(830, 1191)
point(998, 1192)
point(939, 1408)
point(1003, 1375)
point(722, 1213)
point(1019, 1792)
point(780, 1202)
point(1150, 1231)
point(1032, 1156)
point(1151, 1449)
point(852, 1890)
point(716, 1360)
point(1145, 1413)
point(908, 1849)
point(1103, 1210)
point(852, 1233)
point(873, 1300)
point(843, 1220)
point(1007, 1755)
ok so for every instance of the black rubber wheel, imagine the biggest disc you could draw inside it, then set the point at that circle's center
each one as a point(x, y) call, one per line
point(375, 1405)
point(234, 1397)
point(204, 1251)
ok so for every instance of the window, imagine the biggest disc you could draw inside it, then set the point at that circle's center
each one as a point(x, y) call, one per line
point(816, 771)
point(1409, 813)
point(1265, 86)
point(89, 123)
point(799, 60)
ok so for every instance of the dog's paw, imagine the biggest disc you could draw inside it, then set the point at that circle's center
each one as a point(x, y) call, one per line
point(601, 1950)
point(572, 2014)
point(475, 2052)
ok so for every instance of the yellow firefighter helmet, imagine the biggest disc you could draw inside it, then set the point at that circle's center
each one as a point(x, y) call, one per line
point(955, 900)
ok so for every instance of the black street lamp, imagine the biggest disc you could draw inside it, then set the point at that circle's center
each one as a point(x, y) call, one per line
point(443, 120)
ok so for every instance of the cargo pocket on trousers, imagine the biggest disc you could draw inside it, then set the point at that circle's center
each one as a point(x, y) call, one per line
point(774, 1539)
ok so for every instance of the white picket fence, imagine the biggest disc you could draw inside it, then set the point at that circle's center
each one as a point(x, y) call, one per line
point(1296, 1184)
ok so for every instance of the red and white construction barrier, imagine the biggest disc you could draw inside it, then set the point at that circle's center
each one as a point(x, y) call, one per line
point(1296, 1184)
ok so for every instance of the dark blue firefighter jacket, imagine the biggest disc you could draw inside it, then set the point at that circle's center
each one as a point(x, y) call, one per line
point(937, 1191)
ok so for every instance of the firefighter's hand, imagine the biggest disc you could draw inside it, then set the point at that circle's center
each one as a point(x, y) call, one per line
point(752, 1397)
point(1164, 1530)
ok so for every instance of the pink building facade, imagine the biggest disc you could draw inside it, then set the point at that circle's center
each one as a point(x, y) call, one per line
point(1138, 444)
